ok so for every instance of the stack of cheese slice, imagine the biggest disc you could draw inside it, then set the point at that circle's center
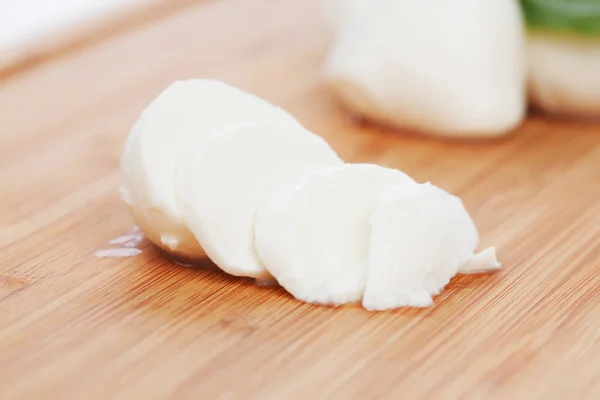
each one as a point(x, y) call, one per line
point(209, 169)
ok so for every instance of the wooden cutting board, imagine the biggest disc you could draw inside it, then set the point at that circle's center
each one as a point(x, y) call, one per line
point(75, 326)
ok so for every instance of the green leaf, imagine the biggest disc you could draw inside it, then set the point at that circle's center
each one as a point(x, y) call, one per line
point(581, 17)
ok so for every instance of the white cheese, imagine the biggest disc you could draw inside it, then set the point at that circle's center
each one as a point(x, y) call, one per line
point(453, 68)
point(340, 12)
point(221, 181)
point(313, 234)
point(564, 74)
point(484, 261)
point(420, 237)
point(182, 113)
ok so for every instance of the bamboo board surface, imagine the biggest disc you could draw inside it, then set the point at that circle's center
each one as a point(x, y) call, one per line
point(76, 326)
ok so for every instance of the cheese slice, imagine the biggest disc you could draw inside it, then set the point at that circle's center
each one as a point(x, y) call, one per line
point(185, 111)
point(313, 234)
point(421, 237)
point(221, 180)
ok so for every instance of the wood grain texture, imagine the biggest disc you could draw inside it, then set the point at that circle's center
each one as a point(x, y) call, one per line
point(75, 326)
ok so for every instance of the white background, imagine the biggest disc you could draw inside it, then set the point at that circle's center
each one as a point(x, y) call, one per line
point(22, 21)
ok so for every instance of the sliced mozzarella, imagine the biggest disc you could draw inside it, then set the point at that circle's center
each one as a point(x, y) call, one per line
point(313, 234)
point(183, 112)
point(420, 237)
point(339, 12)
point(222, 179)
point(451, 68)
point(484, 261)
point(564, 74)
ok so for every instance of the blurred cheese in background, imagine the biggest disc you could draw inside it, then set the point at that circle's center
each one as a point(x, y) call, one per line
point(564, 74)
point(448, 68)
point(564, 56)
point(338, 12)
point(26, 25)
point(464, 68)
